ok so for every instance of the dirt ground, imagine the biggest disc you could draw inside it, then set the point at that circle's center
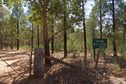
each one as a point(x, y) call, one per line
point(19, 63)
point(58, 73)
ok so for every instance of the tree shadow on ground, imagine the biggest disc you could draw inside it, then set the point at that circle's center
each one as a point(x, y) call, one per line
point(110, 59)
point(12, 56)
point(73, 76)
point(119, 60)
point(61, 74)
point(118, 66)
point(122, 62)
point(20, 66)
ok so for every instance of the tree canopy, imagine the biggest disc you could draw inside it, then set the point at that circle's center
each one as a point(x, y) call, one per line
point(60, 25)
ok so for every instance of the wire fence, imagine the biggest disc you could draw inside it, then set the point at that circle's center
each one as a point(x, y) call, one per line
point(2, 58)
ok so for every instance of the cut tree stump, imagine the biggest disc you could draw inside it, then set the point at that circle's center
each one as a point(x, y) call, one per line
point(38, 63)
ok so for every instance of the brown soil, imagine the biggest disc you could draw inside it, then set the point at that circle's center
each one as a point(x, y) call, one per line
point(58, 73)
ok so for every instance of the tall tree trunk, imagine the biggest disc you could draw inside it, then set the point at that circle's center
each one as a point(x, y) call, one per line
point(45, 29)
point(12, 37)
point(17, 35)
point(1, 42)
point(45, 34)
point(124, 34)
point(32, 45)
point(114, 41)
point(32, 37)
point(100, 20)
point(65, 32)
point(52, 42)
point(38, 35)
point(84, 29)
point(93, 33)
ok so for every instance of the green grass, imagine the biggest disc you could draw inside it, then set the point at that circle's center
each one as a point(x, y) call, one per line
point(26, 47)
point(117, 67)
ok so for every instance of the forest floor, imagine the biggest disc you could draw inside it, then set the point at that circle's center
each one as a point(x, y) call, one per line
point(108, 72)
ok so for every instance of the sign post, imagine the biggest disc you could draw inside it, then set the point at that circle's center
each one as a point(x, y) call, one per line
point(94, 55)
point(98, 43)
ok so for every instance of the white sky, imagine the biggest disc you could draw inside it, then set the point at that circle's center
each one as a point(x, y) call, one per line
point(88, 7)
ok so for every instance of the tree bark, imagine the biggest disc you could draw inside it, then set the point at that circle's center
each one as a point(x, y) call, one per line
point(17, 35)
point(1, 42)
point(32, 45)
point(124, 34)
point(96, 62)
point(12, 37)
point(84, 29)
point(32, 37)
point(114, 41)
point(45, 34)
point(93, 33)
point(38, 35)
point(100, 20)
point(45, 29)
point(52, 42)
point(65, 32)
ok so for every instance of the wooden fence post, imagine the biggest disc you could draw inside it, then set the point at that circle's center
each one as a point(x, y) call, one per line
point(38, 63)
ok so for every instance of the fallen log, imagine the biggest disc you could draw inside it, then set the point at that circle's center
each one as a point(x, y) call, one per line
point(61, 62)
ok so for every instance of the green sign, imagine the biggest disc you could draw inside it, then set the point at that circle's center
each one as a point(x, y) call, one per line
point(99, 43)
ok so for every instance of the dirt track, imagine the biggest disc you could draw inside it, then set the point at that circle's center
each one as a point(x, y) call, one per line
point(17, 62)
point(57, 74)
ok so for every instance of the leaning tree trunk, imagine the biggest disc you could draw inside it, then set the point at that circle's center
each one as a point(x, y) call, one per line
point(65, 32)
point(100, 11)
point(113, 26)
